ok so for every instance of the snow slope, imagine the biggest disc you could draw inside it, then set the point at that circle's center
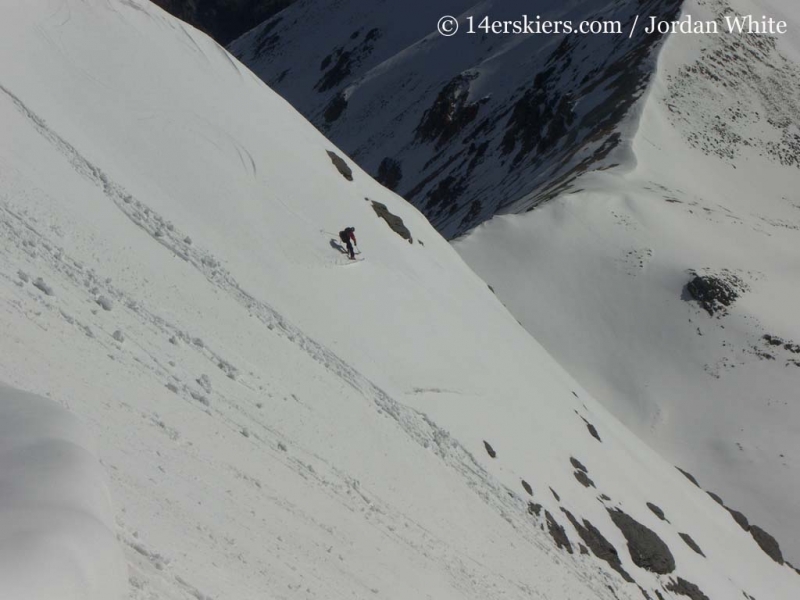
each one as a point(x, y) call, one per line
point(56, 520)
point(712, 188)
point(273, 424)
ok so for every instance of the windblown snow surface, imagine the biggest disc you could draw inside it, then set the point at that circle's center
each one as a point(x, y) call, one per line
point(601, 276)
point(57, 535)
point(275, 425)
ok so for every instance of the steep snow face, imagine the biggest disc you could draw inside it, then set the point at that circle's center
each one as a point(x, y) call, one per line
point(669, 288)
point(277, 421)
point(56, 524)
point(467, 126)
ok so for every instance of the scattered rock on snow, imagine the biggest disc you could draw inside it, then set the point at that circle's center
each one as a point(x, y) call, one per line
point(767, 543)
point(557, 533)
point(527, 487)
point(119, 336)
point(584, 479)
point(341, 165)
point(577, 464)
point(691, 543)
point(688, 476)
point(489, 449)
point(647, 550)
point(686, 588)
point(534, 509)
point(598, 544)
point(394, 222)
point(739, 518)
point(656, 511)
point(23, 276)
point(715, 293)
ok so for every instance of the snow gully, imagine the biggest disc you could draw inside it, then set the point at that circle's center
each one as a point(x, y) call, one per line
point(733, 24)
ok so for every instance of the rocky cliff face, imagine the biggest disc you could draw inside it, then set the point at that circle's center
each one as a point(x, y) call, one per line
point(467, 126)
point(224, 20)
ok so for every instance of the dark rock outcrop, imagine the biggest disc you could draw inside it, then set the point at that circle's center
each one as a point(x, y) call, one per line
point(647, 550)
point(489, 450)
point(688, 476)
point(224, 20)
point(394, 222)
point(767, 543)
point(451, 112)
point(584, 479)
point(389, 173)
point(527, 487)
point(714, 293)
point(691, 543)
point(341, 165)
point(577, 464)
point(656, 511)
point(686, 588)
point(598, 544)
point(557, 533)
point(534, 509)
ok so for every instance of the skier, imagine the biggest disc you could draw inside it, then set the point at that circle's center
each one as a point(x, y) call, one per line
point(346, 235)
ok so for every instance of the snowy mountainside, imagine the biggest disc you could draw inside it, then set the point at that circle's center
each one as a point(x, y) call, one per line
point(676, 275)
point(276, 421)
point(467, 126)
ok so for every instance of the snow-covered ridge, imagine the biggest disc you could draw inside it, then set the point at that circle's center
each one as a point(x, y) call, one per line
point(275, 420)
point(468, 126)
point(56, 521)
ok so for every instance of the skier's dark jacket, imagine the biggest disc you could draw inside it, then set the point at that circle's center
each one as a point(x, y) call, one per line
point(347, 235)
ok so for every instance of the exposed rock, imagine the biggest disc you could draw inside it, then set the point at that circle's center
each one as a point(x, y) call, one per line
point(593, 431)
point(739, 518)
point(578, 465)
point(716, 498)
point(691, 543)
point(598, 544)
point(389, 173)
point(686, 588)
point(557, 533)
point(584, 479)
point(395, 222)
point(335, 108)
point(534, 509)
point(342, 61)
point(767, 543)
point(489, 449)
point(224, 20)
point(451, 112)
point(341, 166)
point(527, 487)
point(715, 293)
point(583, 549)
point(647, 550)
point(689, 476)
point(656, 511)
point(555, 495)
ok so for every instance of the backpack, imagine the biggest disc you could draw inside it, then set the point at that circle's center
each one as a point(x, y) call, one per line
point(345, 235)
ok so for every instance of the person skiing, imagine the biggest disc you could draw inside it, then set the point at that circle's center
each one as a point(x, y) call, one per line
point(346, 235)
